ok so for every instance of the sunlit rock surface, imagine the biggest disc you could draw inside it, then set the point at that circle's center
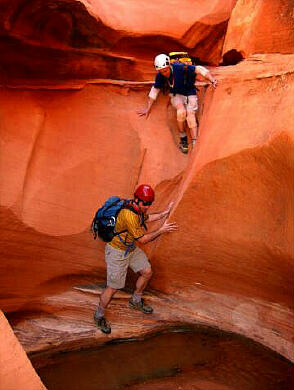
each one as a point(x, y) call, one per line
point(71, 137)
point(238, 189)
point(66, 152)
point(259, 26)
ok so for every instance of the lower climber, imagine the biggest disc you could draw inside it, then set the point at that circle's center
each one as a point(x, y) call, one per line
point(122, 252)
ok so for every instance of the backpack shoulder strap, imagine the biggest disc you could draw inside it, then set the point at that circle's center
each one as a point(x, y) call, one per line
point(129, 207)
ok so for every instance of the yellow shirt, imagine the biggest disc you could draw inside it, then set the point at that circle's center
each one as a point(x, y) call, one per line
point(127, 220)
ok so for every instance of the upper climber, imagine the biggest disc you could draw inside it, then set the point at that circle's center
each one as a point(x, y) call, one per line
point(180, 78)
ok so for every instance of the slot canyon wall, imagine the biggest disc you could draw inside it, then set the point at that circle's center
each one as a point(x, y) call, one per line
point(16, 370)
point(72, 75)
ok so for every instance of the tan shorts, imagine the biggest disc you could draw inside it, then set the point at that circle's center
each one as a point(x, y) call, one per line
point(190, 102)
point(117, 264)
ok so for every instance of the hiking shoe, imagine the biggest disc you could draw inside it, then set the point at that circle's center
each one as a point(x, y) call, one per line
point(184, 144)
point(183, 148)
point(102, 324)
point(141, 306)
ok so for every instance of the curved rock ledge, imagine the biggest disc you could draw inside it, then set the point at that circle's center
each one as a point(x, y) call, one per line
point(64, 322)
point(188, 357)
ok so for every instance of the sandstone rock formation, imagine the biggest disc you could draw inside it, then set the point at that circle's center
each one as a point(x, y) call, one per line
point(116, 40)
point(236, 184)
point(73, 75)
point(259, 26)
point(16, 371)
point(56, 180)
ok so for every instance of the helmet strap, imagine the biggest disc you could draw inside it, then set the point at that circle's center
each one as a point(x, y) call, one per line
point(135, 204)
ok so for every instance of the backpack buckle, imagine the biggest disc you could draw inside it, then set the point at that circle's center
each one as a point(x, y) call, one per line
point(111, 221)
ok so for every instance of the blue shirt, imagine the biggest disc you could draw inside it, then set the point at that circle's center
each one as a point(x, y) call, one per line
point(181, 81)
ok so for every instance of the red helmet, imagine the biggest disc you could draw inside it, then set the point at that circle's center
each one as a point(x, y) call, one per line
point(145, 193)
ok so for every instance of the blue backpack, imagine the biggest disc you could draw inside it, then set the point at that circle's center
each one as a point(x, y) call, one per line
point(103, 224)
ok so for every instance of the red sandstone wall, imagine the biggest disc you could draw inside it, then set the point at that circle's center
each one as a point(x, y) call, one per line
point(116, 40)
point(16, 371)
point(236, 210)
point(261, 26)
point(63, 152)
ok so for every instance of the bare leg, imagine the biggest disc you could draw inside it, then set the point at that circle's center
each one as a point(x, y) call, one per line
point(181, 117)
point(143, 280)
point(181, 126)
point(193, 132)
point(99, 318)
point(136, 302)
point(191, 117)
point(178, 102)
point(106, 296)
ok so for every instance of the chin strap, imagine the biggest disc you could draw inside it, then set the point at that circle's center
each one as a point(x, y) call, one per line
point(134, 205)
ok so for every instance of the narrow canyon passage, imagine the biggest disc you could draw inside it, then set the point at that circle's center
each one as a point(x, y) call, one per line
point(73, 77)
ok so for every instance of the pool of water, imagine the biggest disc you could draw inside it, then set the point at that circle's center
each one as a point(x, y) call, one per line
point(180, 358)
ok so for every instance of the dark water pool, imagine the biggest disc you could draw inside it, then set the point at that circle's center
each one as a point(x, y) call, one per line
point(219, 359)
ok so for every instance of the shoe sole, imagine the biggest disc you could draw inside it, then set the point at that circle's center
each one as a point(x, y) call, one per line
point(106, 331)
point(184, 150)
point(103, 330)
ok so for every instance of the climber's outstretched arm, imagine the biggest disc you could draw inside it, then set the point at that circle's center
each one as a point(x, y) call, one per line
point(151, 99)
point(206, 74)
point(160, 214)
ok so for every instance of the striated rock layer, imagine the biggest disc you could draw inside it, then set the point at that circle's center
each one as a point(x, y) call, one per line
point(72, 39)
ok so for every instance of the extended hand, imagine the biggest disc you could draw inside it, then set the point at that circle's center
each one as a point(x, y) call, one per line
point(168, 210)
point(144, 112)
point(168, 227)
point(214, 83)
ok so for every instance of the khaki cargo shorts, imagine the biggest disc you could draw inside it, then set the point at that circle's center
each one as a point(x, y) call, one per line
point(117, 264)
point(190, 102)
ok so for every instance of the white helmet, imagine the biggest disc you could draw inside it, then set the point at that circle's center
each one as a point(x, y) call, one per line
point(161, 61)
